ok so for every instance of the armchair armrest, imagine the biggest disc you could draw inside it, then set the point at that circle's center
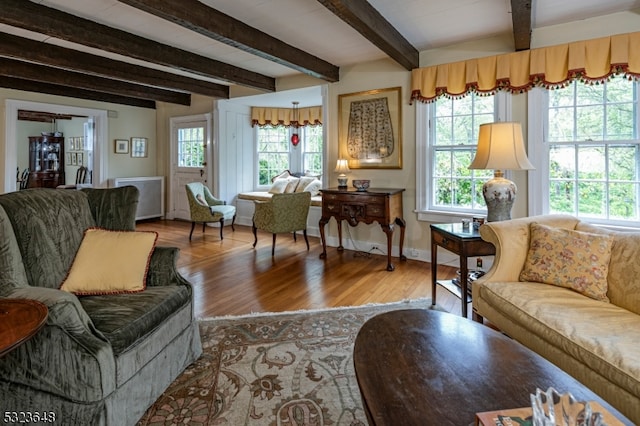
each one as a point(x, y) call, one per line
point(68, 356)
point(163, 269)
point(213, 201)
point(263, 216)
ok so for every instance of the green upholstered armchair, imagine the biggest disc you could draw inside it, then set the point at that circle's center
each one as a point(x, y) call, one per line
point(204, 208)
point(283, 213)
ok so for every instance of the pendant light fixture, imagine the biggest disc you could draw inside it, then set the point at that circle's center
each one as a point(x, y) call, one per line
point(295, 138)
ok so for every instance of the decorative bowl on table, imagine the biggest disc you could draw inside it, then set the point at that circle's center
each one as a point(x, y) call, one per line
point(361, 184)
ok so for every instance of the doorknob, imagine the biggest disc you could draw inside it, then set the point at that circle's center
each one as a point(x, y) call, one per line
point(201, 172)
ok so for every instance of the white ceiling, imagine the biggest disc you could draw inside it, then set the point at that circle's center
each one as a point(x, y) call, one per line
point(308, 25)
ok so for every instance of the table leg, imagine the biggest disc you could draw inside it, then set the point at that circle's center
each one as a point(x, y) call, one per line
point(321, 225)
point(464, 275)
point(434, 270)
point(388, 229)
point(402, 224)
point(340, 248)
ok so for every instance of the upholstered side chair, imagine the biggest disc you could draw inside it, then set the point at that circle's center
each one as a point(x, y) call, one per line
point(283, 213)
point(205, 208)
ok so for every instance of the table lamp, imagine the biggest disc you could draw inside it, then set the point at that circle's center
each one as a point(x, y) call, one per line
point(342, 167)
point(500, 147)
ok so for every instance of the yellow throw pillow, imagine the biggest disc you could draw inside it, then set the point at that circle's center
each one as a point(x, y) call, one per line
point(110, 262)
point(571, 259)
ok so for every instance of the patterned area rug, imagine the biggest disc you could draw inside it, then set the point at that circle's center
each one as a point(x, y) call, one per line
point(289, 369)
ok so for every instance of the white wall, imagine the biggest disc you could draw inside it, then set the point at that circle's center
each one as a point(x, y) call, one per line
point(233, 136)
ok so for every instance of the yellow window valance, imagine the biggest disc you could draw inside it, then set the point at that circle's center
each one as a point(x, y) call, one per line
point(591, 61)
point(269, 116)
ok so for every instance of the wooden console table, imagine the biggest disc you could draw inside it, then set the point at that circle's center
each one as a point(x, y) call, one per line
point(382, 205)
point(465, 243)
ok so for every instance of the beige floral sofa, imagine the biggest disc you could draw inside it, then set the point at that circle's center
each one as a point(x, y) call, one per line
point(570, 291)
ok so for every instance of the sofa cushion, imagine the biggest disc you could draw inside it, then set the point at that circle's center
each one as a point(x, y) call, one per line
point(568, 258)
point(266, 196)
point(292, 185)
point(279, 186)
point(623, 264)
point(110, 262)
point(125, 318)
point(304, 182)
point(600, 335)
point(114, 208)
point(12, 273)
point(314, 188)
point(49, 225)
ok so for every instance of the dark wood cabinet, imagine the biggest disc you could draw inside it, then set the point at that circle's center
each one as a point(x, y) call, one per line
point(46, 161)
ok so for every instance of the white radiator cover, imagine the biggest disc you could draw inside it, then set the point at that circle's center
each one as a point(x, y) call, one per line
point(151, 200)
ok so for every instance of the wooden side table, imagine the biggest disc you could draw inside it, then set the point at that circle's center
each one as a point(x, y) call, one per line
point(19, 320)
point(382, 205)
point(463, 242)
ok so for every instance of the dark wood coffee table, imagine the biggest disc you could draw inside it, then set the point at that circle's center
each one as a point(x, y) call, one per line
point(19, 320)
point(424, 367)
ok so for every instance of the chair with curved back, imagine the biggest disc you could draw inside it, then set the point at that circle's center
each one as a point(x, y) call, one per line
point(81, 176)
point(23, 181)
point(283, 213)
point(205, 208)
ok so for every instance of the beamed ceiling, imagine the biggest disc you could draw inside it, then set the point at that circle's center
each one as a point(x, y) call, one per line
point(137, 52)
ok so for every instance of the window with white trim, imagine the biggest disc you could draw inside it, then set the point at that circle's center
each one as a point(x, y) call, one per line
point(447, 135)
point(586, 151)
point(276, 153)
point(191, 144)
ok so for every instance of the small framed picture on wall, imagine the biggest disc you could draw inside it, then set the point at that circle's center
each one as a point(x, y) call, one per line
point(139, 147)
point(122, 146)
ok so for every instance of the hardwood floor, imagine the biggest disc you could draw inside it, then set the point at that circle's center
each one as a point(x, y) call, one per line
point(230, 277)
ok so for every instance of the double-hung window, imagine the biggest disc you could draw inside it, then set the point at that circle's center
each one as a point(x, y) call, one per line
point(585, 147)
point(276, 153)
point(447, 135)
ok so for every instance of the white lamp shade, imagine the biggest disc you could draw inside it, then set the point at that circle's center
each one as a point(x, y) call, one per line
point(500, 147)
point(342, 166)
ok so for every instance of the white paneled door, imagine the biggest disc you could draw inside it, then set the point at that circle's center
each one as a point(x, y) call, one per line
point(189, 159)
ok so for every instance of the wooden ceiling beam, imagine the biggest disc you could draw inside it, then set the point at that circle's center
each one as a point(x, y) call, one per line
point(55, 23)
point(43, 117)
point(73, 92)
point(365, 19)
point(211, 23)
point(521, 18)
point(34, 72)
point(60, 57)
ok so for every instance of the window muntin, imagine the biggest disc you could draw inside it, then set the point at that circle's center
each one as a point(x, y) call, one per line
point(273, 152)
point(191, 146)
point(312, 143)
point(276, 153)
point(453, 137)
point(593, 151)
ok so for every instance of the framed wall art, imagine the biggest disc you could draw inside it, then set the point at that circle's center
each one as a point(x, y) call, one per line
point(369, 126)
point(139, 147)
point(122, 146)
